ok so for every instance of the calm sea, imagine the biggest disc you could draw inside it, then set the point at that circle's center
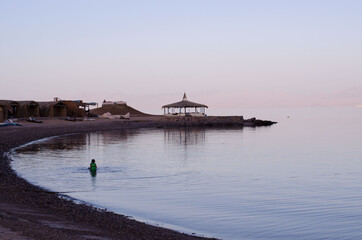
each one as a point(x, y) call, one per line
point(298, 179)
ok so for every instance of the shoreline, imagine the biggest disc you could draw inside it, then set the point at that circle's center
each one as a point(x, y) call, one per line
point(30, 212)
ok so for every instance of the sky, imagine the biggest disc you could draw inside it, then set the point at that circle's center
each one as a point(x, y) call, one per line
point(225, 54)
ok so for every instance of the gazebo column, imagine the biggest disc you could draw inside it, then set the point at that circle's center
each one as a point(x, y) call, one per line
point(202, 110)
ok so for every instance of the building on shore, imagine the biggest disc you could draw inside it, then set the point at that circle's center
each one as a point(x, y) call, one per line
point(78, 108)
point(56, 108)
point(2, 113)
point(185, 108)
point(11, 108)
point(105, 103)
point(52, 109)
point(73, 108)
point(18, 109)
point(29, 109)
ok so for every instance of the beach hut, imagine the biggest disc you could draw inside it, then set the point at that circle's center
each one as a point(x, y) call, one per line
point(74, 108)
point(12, 108)
point(185, 108)
point(2, 113)
point(52, 109)
point(29, 109)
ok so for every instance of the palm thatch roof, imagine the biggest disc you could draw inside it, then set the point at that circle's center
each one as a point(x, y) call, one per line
point(73, 108)
point(184, 104)
point(29, 109)
point(11, 108)
point(52, 109)
point(8, 102)
point(2, 113)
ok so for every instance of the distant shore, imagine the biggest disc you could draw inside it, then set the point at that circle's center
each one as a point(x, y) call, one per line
point(29, 212)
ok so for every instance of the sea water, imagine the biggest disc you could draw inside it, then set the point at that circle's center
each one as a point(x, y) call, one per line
point(298, 179)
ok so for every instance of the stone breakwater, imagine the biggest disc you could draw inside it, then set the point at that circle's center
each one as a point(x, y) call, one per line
point(215, 121)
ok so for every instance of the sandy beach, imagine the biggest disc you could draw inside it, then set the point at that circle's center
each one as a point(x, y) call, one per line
point(29, 212)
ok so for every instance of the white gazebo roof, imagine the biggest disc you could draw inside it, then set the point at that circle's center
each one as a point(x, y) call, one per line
point(184, 104)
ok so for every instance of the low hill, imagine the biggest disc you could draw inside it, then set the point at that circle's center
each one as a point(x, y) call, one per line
point(118, 109)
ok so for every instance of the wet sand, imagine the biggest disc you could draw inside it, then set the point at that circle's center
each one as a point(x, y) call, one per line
point(28, 212)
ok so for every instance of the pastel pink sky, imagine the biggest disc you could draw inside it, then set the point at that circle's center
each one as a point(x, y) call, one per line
point(226, 54)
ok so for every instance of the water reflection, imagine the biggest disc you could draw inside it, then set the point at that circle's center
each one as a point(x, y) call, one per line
point(93, 173)
point(113, 137)
point(185, 137)
point(76, 142)
point(182, 137)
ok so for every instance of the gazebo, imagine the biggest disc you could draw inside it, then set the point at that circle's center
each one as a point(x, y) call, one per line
point(184, 108)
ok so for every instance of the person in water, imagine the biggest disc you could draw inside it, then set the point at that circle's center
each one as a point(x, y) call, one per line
point(93, 166)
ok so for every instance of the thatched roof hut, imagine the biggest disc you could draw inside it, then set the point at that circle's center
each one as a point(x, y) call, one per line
point(2, 113)
point(74, 108)
point(29, 109)
point(12, 108)
point(186, 105)
point(52, 109)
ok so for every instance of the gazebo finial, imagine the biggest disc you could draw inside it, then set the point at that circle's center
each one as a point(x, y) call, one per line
point(184, 98)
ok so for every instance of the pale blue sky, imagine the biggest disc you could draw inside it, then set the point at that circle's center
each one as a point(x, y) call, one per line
point(226, 54)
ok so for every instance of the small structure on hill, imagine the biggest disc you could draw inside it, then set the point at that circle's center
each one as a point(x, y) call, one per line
point(105, 103)
point(29, 109)
point(185, 108)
